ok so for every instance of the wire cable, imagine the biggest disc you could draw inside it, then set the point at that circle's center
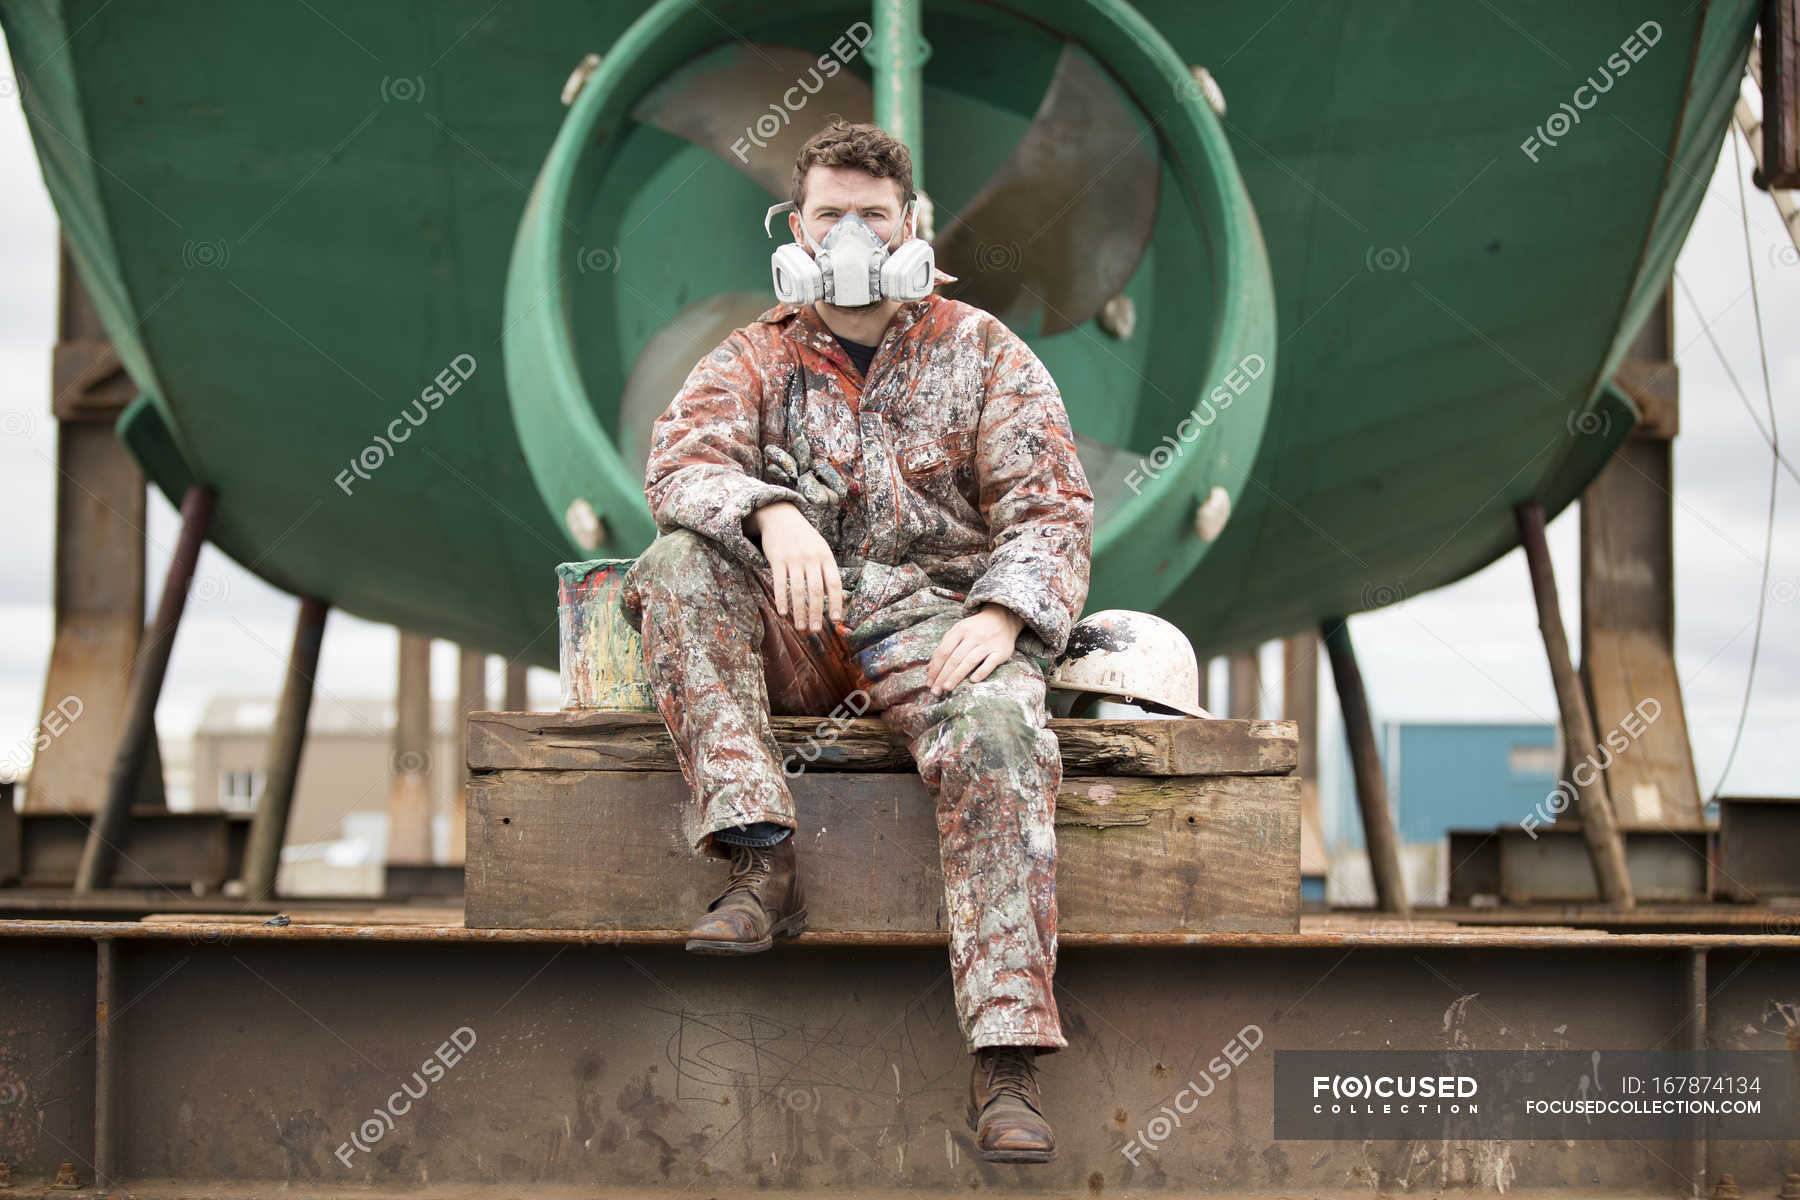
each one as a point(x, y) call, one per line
point(1762, 595)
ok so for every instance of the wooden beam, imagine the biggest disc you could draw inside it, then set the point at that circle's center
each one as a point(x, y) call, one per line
point(604, 850)
point(586, 739)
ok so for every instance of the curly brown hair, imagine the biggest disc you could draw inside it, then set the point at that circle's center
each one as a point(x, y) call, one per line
point(865, 147)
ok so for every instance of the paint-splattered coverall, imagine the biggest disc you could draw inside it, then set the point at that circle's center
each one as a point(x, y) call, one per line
point(963, 487)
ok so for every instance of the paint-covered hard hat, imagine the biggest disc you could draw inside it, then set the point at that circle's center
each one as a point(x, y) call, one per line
point(1135, 656)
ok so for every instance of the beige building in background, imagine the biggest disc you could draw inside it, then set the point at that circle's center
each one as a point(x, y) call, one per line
point(336, 839)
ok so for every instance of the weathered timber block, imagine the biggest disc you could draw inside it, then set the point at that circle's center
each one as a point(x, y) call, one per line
point(604, 850)
point(581, 741)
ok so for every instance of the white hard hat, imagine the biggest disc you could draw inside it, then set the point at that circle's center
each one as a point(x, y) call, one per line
point(1136, 656)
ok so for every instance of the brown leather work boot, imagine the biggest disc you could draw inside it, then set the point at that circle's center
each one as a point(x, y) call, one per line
point(762, 901)
point(1005, 1110)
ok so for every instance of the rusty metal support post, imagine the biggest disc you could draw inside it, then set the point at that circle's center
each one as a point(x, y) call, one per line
point(98, 593)
point(1244, 689)
point(1599, 826)
point(1300, 704)
point(1365, 761)
point(517, 695)
point(106, 1064)
point(409, 795)
point(108, 830)
point(1694, 991)
point(268, 832)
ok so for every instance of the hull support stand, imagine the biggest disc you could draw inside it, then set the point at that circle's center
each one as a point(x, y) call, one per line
point(1599, 826)
point(135, 743)
point(268, 833)
point(1365, 761)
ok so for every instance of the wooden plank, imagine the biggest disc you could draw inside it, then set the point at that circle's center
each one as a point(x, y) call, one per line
point(604, 850)
point(589, 740)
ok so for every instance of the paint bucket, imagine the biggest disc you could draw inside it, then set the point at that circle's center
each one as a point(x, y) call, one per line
point(600, 655)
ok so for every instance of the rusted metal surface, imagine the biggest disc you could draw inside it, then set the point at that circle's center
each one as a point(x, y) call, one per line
point(159, 849)
point(1758, 838)
point(99, 580)
point(1778, 75)
point(138, 735)
point(835, 1070)
point(410, 768)
point(1605, 847)
point(268, 832)
point(1379, 835)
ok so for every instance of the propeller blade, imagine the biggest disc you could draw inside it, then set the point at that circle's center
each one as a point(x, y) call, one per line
point(1061, 226)
point(730, 99)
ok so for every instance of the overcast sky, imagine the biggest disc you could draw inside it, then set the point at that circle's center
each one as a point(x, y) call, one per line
point(1467, 652)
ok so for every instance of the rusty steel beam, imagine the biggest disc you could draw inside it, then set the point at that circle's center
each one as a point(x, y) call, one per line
point(1365, 761)
point(98, 590)
point(106, 1064)
point(268, 833)
point(833, 1071)
point(139, 733)
point(410, 798)
point(1244, 683)
point(1599, 824)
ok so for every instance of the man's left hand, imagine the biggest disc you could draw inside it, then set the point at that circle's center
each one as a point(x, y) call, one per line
point(973, 647)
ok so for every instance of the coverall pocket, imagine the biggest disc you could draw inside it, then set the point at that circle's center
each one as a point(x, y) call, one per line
point(927, 458)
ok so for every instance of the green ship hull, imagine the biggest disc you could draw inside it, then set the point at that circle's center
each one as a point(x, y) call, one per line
point(301, 223)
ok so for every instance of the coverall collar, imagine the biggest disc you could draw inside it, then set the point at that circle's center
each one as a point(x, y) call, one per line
point(804, 325)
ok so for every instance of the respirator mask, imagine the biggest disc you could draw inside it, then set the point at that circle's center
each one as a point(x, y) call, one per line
point(852, 267)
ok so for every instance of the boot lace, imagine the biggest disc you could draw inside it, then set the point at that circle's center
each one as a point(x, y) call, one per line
point(750, 868)
point(1010, 1072)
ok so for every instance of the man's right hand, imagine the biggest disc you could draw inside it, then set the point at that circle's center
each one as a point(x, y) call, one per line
point(802, 564)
